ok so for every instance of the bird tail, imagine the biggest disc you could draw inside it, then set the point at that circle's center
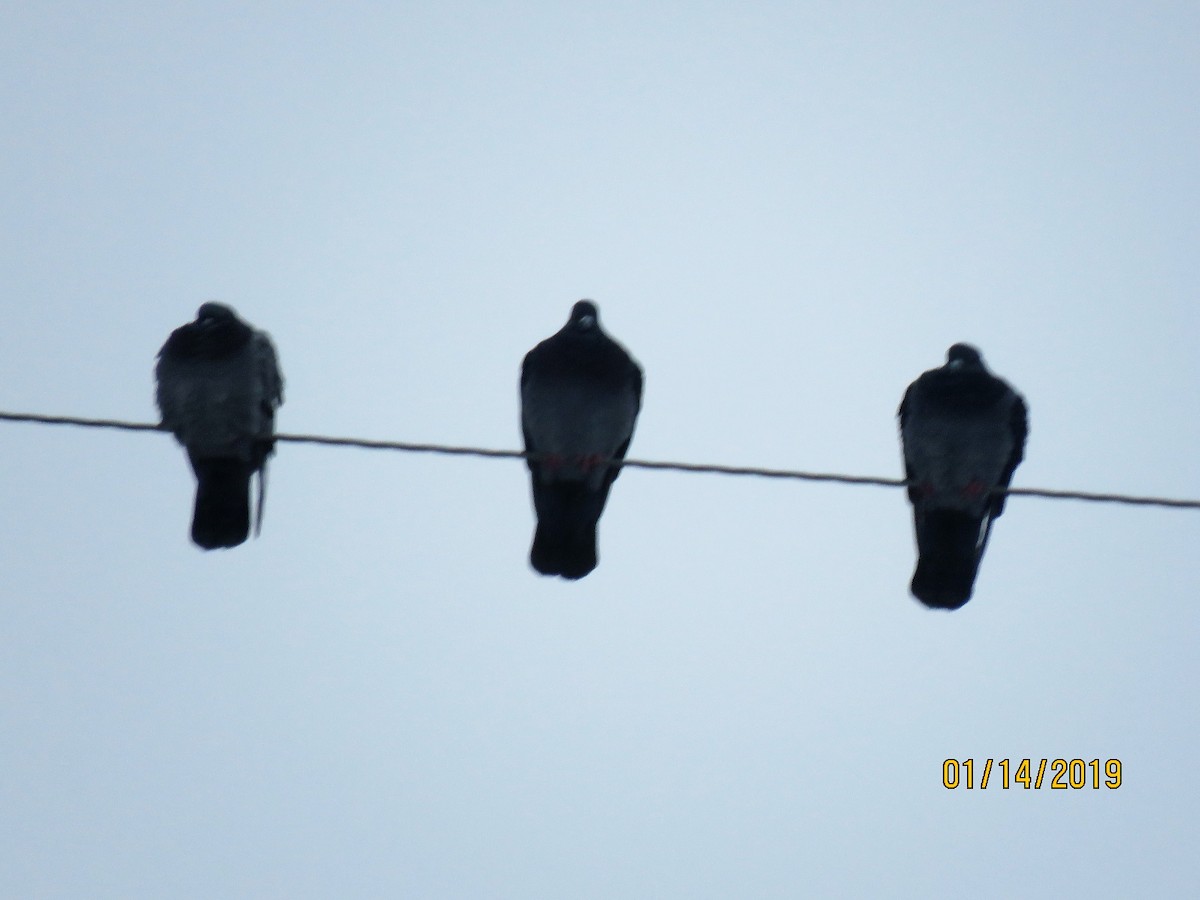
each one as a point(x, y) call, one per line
point(222, 514)
point(949, 547)
point(565, 540)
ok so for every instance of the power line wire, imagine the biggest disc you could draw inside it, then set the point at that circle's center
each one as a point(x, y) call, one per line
point(403, 446)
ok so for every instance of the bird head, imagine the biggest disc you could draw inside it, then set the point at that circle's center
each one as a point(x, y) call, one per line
point(584, 316)
point(964, 356)
point(214, 312)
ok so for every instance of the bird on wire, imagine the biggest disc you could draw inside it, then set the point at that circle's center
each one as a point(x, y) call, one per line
point(580, 396)
point(963, 434)
point(218, 386)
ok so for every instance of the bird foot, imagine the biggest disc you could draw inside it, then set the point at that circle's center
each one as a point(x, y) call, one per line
point(590, 461)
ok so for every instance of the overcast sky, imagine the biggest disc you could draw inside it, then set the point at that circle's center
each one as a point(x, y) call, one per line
point(786, 212)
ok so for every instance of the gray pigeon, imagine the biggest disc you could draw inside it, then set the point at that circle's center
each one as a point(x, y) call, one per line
point(580, 396)
point(218, 387)
point(963, 431)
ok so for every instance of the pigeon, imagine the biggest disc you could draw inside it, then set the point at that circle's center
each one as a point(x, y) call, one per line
point(963, 433)
point(218, 387)
point(580, 396)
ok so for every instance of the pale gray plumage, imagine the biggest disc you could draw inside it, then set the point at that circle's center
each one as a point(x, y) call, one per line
point(963, 433)
point(218, 386)
point(580, 397)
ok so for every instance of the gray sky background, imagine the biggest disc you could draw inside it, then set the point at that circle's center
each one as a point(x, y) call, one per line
point(786, 212)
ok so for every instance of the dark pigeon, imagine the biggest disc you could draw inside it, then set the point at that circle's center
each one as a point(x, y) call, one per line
point(963, 431)
point(218, 387)
point(580, 396)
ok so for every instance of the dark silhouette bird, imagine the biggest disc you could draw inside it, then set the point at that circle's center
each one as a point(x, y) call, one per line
point(580, 396)
point(218, 388)
point(963, 432)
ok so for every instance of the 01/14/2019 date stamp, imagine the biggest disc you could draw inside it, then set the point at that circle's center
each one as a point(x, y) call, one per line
point(1056, 774)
